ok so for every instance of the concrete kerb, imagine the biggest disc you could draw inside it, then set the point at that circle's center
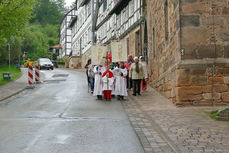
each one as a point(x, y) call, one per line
point(139, 137)
point(161, 132)
point(158, 129)
point(18, 92)
point(155, 126)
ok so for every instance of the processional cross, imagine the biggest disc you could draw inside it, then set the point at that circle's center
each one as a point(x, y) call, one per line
point(107, 66)
point(107, 60)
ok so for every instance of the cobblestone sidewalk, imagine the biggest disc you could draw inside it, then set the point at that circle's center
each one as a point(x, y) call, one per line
point(163, 127)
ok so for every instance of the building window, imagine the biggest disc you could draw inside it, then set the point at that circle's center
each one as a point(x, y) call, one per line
point(137, 43)
point(166, 14)
point(127, 13)
point(104, 5)
point(89, 8)
point(131, 7)
point(128, 46)
point(89, 35)
point(123, 15)
point(86, 11)
point(118, 21)
point(153, 43)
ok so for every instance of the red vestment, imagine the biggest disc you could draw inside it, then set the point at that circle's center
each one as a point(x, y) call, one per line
point(106, 92)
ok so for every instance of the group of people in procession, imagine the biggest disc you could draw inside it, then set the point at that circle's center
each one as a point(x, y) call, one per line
point(115, 78)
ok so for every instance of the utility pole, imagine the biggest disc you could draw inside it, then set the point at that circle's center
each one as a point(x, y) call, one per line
point(7, 42)
point(95, 11)
point(9, 58)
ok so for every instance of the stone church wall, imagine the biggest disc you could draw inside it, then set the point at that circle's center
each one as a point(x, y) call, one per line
point(188, 47)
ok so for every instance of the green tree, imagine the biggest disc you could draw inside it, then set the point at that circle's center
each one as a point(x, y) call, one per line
point(38, 39)
point(43, 31)
point(15, 51)
point(34, 37)
point(35, 42)
point(51, 31)
point(14, 14)
point(49, 12)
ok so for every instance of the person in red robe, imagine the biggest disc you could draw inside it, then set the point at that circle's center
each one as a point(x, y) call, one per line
point(108, 80)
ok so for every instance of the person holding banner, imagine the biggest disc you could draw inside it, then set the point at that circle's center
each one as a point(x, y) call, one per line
point(98, 86)
point(108, 81)
point(128, 65)
point(113, 86)
point(120, 83)
point(91, 76)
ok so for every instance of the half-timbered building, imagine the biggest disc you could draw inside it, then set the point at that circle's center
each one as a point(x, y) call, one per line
point(66, 34)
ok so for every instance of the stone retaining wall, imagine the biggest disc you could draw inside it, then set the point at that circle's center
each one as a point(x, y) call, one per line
point(85, 58)
point(75, 62)
point(193, 83)
point(188, 42)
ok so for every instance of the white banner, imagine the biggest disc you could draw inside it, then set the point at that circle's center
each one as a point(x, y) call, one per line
point(119, 50)
point(97, 54)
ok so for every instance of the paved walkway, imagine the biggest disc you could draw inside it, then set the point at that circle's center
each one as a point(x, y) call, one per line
point(163, 127)
point(14, 87)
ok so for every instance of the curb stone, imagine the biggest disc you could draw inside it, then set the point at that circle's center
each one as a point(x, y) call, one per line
point(13, 94)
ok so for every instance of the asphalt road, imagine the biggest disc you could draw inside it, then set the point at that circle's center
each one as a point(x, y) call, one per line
point(59, 116)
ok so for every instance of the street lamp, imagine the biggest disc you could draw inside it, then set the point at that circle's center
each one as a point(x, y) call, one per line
point(8, 44)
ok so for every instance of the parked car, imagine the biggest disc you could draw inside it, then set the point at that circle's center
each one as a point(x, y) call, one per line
point(45, 63)
point(55, 63)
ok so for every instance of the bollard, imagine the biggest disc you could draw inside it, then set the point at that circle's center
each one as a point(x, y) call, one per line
point(37, 74)
point(30, 76)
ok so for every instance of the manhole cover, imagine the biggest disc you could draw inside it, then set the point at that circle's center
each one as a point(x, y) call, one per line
point(60, 75)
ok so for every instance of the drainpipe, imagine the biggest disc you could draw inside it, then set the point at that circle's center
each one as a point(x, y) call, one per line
point(141, 20)
point(95, 12)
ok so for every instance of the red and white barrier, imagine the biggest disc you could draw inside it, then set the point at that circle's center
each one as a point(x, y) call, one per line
point(30, 76)
point(37, 74)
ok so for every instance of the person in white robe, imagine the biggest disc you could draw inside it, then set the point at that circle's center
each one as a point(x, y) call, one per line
point(113, 87)
point(120, 84)
point(98, 87)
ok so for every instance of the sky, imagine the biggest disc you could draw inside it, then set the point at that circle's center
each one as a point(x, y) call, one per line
point(69, 2)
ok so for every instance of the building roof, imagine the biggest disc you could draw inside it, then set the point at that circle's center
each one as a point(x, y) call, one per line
point(68, 13)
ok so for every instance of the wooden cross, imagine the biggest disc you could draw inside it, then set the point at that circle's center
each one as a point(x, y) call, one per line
point(108, 63)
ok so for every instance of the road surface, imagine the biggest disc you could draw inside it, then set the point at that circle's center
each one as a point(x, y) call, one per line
point(59, 116)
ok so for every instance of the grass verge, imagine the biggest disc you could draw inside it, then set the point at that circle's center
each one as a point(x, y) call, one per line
point(15, 73)
point(213, 115)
